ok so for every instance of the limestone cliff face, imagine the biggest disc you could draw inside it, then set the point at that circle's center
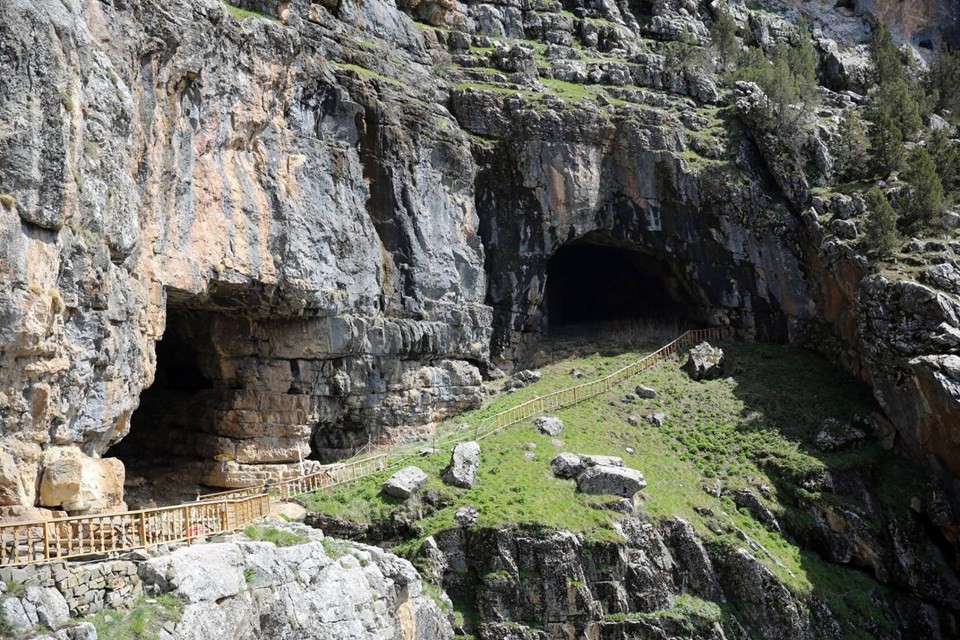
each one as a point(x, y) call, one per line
point(338, 215)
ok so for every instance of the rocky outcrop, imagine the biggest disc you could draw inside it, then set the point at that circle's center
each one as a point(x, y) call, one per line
point(258, 590)
point(705, 362)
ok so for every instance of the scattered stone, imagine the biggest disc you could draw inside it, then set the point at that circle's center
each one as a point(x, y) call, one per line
point(522, 379)
point(657, 419)
point(557, 443)
point(466, 515)
point(835, 434)
point(531, 446)
point(423, 452)
point(463, 466)
point(629, 450)
point(576, 373)
point(405, 483)
point(713, 486)
point(549, 425)
point(645, 392)
point(628, 398)
point(608, 479)
point(705, 362)
point(529, 455)
point(633, 421)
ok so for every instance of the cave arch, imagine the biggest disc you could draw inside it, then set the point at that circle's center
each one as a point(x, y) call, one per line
point(595, 280)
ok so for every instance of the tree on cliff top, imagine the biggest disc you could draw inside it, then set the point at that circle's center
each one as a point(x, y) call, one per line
point(881, 237)
point(921, 206)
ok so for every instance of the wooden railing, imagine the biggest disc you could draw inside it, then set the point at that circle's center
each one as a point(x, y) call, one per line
point(574, 395)
point(43, 541)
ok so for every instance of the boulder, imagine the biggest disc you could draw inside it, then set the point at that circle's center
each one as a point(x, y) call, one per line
point(566, 465)
point(405, 483)
point(522, 379)
point(549, 425)
point(835, 435)
point(464, 461)
point(705, 362)
point(78, 483)
point(645, 392)
point(608, 479)
point(657, 419)
point(466, 515)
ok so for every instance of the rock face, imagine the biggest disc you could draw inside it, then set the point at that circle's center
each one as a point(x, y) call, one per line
point(405, 483)
point(464, 462)
point(265, 238)
point(705, 362)
point(77, 483)
point(257, 590)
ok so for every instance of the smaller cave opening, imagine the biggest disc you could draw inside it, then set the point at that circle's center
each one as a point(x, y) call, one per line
point(167, 428)
point(590, 283)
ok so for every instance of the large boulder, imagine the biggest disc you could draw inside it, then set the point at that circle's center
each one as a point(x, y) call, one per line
point(405, 483)
point(645, 392)
point(705, 362)
point(76, 482)
point(608, 479)
point(464, 462)
point(549, 425)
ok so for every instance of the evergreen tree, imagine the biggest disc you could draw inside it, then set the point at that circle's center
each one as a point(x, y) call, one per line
point(802, 61)
point(881, 237)
point(946, 157)
point(886, 144)
point(921, 205)
point(853, 155)
point(943, 82)
point(723, 35)
point(899, 103)
point(886, 57)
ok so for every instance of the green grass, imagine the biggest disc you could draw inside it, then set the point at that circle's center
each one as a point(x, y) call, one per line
point(143, 622)
point(241, 14)
point(752, 430)
point(279, 537)
point(368, 73)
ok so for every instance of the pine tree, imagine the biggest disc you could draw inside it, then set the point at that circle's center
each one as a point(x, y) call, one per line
point(881, 237)
point(899, 103)
point(853, 155)
point(885, 56)
point(921, 205)
point(723, 35)
point(943, 82)
point(886, 144)
point(946, 157)
point(802, 60)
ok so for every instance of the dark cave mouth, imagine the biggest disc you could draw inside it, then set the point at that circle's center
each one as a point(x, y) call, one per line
point(167, 430)
point(592, 283)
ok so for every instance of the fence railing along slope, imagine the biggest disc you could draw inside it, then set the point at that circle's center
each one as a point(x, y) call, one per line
point(62, 538)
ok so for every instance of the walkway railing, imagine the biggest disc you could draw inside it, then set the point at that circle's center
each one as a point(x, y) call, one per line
point(57, 539)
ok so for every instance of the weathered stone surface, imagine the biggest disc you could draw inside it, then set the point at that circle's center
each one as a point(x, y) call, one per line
point(549, 425)
point(705, 362)
point(835, 435)
point(645, 392)
point(464, 462)
point(78, 483)
point(405, 482)
point(657, 418)
point(606, 479)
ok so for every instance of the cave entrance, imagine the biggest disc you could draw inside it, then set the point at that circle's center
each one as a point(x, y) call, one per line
point(591, 281)
point(164, 449)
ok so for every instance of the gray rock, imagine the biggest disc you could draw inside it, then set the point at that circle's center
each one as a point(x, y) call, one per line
point(466, 515)
point(705, 362)
point(657, 419)
point(566, 465)
point(835, 435)
point(633, 421)
point(606, 479)
point(549, 425)
point(464, 462)
point(405, 482)
point(628, 398)
point(645, 392)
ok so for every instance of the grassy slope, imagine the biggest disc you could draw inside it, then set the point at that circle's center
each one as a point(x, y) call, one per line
point(749, 431)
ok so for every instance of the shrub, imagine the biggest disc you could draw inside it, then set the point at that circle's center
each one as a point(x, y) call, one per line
point(880, 227)
point(922, 203)
point(723, 37)
point(8, 201)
